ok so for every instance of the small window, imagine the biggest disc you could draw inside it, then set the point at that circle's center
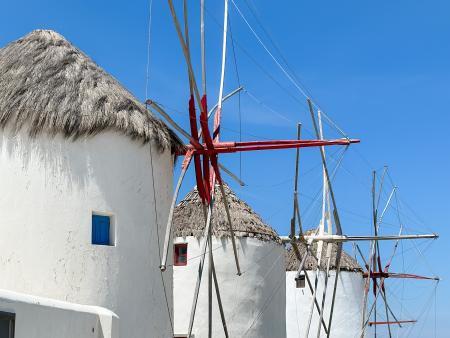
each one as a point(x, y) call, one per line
point(300, 281)
point(101, 230)
point(180, 254)
point(7, 323)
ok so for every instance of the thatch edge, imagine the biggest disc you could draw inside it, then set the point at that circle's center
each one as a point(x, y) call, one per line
point(49, 86)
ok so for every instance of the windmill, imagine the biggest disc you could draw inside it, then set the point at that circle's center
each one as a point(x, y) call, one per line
point(204, 149)
point(374, 268)
point(324, 234)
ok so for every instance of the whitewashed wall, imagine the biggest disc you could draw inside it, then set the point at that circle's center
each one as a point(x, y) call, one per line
point(49, 189)
point(347, 315)
point(254, 303)
point(38, 317)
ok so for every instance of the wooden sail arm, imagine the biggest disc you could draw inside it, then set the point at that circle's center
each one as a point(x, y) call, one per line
point(345, 238)
point(378, 274)
point(393, 322)
point(233, 147)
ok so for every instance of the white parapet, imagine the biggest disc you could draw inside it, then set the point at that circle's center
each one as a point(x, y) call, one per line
point(254, 303)
point(347, 313)
point(38, 317)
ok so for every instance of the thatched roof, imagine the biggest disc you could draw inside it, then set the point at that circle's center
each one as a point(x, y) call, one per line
point(188, 218)
point(49, 86)
point(348, 263)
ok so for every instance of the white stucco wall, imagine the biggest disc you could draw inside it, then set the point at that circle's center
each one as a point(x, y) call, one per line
point(254, 303)
point(347, 315)
point(49, 189)
point(38, 317)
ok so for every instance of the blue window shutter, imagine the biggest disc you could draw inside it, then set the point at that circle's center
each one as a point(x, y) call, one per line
point(100, 230)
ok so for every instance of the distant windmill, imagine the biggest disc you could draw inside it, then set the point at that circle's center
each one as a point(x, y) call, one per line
point(322, 235)
point(375, 270)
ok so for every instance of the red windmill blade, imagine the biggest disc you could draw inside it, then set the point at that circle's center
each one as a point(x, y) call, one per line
point(210, 149)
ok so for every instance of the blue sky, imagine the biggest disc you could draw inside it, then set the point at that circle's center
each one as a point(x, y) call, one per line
point(380, 69)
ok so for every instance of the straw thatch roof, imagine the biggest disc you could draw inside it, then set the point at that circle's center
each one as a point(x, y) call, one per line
point(49, 86)
point(348, 263)
point(188, 218)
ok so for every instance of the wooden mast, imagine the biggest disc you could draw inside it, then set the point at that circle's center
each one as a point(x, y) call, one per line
point(208, 172)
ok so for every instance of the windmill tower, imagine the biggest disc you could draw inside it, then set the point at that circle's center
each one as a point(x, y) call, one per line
point(349, 299)
point(253, 303)
point(79, 223)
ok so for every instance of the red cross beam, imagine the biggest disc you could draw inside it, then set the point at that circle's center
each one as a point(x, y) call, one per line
point(377, 274)
point(392, 322)
point(233, 147)
point(204, 149)
point(210, 150)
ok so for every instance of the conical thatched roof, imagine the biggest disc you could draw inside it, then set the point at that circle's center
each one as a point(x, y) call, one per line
point(188, 218)
point(348, 263)
point(49, 86)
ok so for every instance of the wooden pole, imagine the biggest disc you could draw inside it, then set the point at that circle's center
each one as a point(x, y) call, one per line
point(321, 233)
point(200, 267)
point(335, 215)
point(324, 293)
point(202, 44)
point(230, 225)
point(326, 218)
point(375, 256)
point(170, 218)
point(345, 238)
point(302, 268)
point(210, 286)
point(295, 211)
point(219, 299)
point(383, 293)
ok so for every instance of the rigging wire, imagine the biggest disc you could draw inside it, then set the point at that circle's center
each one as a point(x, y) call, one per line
point(149, 39)
point(158, 239)
point(287, 74)
point(253, 11)
point(239, 97)
point(258, 65)
point(147, 77)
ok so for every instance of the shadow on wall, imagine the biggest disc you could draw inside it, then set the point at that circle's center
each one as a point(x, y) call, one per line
point(86, 160)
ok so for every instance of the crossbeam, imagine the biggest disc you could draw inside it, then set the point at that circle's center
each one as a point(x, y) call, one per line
point(378, 274)
point(392, 322)
point(233, 147)
point(344, 238)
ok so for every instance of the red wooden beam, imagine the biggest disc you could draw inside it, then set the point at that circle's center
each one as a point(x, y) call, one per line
point(233, 147)
point(393, 322)
point(377, 274)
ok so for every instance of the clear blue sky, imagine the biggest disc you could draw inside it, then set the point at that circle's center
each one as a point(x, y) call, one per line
point(381, 70)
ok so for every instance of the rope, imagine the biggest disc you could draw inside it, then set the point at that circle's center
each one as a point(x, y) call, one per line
point(261, 68)
point(253, 97)
point(151, 162)
point(253, 11)
point(286, 73)
point(239, 98)
point(158, 240)
point(149, 32)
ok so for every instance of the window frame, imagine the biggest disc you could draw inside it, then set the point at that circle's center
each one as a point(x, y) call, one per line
point(12, 322)
point(300, 281)
point(176, 254)
point(112, 228)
